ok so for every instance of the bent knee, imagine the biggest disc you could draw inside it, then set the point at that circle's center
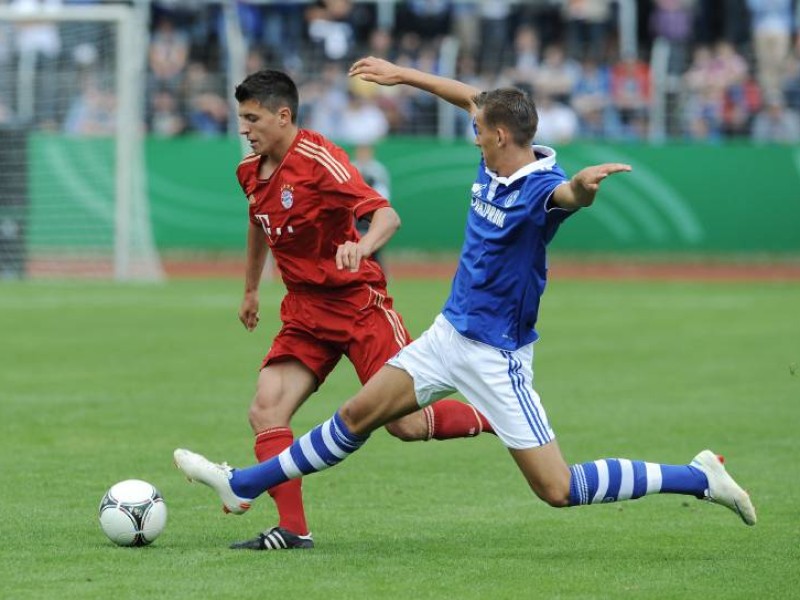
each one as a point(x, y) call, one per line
point(554, 490)
point(411, 428)
point(270, 410)
point(556, 495)
point(263, 417)
point(556, 500)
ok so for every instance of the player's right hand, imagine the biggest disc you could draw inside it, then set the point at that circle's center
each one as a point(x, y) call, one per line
point(348, 256)
point(248, 312)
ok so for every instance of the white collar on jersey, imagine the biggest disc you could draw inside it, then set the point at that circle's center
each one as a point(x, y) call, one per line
point(545, 163)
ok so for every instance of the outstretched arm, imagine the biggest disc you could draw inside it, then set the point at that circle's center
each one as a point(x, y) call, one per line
point(383, 72)
point(582, 188)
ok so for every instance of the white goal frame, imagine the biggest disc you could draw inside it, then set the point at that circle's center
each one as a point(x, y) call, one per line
point(129, 148)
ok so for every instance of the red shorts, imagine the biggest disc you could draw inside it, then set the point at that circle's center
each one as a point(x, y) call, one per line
point(319, 328)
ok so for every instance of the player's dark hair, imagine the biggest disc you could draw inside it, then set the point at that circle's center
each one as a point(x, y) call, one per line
point(512, 108)
point(271, 89)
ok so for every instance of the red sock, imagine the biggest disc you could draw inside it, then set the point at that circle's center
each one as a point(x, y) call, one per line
point(449, 419)
point(288, 496)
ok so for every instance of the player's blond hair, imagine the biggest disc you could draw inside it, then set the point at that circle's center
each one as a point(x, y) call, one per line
point(511, 108)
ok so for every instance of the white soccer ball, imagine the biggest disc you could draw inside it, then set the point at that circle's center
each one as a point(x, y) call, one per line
point(132, 513)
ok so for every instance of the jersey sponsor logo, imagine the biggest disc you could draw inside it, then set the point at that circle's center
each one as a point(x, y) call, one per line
point(273, 233)
point(323, 156)
point(264, 220)
point(492, 190)
point(489, 212)
point(477, 188)
point(287, 196)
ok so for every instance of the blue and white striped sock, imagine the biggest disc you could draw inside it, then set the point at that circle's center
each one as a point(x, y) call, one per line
point(324, 446)
point(613, 479)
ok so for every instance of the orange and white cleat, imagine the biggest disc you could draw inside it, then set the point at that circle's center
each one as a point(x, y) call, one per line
point(722, 489)
point(214, 475)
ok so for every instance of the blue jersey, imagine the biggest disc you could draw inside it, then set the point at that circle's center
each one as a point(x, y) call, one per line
point(502, 270)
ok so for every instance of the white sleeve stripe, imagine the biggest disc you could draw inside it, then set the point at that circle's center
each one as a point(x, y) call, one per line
point(602, 481)
point(324, 157)
point(249, 158)
point(316, 158)
point(324, 152)
point(328, 158)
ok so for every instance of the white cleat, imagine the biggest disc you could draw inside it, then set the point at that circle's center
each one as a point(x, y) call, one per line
point(216, 476)
point(722, 489)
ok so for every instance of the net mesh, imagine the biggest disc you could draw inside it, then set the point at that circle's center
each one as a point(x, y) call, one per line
point(63, 169)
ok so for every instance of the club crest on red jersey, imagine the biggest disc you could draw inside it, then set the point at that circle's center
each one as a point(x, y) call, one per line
point(287, 196)
point(251, 199)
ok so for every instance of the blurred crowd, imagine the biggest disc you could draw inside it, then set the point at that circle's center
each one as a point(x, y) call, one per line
point(733, 69)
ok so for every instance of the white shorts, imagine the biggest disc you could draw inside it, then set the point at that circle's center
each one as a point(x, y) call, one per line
point(499, 383)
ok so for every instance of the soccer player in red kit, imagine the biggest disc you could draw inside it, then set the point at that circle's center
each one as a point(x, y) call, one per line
point(304, 197)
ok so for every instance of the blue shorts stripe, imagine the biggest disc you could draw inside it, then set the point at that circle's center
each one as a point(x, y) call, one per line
point(514, 385)
point(321, 448)
point(639, 479)
point(525, 400)
point(300, 460)
point(614, 478)
point(526, 391)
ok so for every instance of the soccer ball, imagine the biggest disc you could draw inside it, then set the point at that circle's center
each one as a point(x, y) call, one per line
point(132, 513)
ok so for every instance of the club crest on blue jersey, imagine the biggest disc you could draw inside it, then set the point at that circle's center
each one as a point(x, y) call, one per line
point(510, 199)
point(287, 197)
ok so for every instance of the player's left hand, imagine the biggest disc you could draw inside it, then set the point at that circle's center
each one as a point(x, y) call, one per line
point(584, 184)
point(376, 70)
point(591, 177)
point(348, 256)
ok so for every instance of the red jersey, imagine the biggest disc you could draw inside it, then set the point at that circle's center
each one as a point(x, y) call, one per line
point(307, 208)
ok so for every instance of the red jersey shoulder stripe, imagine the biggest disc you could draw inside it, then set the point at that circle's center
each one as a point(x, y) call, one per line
point(249, 158)
point(325, 158)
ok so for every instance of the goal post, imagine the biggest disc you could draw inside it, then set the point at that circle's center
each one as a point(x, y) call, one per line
point(86, 210)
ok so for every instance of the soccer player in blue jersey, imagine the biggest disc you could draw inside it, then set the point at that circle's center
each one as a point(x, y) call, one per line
point(482, 343)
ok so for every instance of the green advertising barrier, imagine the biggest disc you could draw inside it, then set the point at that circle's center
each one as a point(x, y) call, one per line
point(690, 198)
point(195, 200)
point(679, 198)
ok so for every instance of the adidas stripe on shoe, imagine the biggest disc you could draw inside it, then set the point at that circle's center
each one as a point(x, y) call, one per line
point(276, 538)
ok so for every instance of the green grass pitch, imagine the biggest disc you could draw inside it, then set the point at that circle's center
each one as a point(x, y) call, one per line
point(99, 383)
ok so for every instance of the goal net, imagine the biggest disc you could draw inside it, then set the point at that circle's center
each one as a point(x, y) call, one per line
point(73, 198)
